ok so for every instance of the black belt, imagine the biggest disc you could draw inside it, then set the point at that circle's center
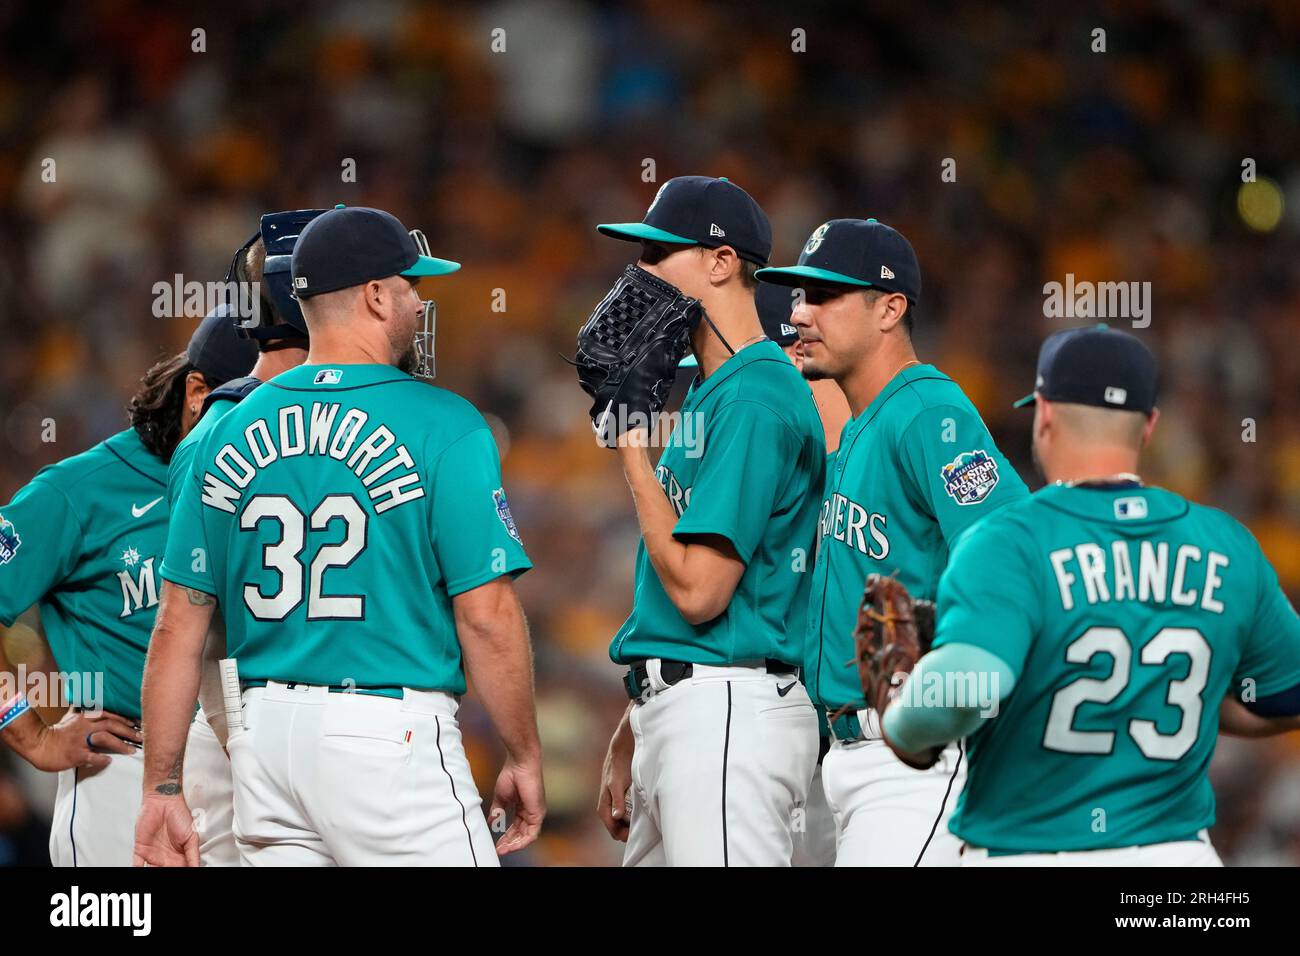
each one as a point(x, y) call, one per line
point(637, 679)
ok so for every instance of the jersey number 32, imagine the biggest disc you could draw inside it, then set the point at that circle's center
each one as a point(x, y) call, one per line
point(284, 556)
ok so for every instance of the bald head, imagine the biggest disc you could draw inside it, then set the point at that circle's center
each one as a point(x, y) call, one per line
point(1087, 424)
point(1080, 442)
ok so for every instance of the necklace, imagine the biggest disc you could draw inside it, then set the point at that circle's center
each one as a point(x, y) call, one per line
point(906, 365)
point(1122, 478)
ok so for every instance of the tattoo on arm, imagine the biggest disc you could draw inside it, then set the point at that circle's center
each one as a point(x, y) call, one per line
point(199, 598)
point(172, 786)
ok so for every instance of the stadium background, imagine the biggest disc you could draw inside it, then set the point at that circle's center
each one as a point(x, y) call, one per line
point(1117, 166)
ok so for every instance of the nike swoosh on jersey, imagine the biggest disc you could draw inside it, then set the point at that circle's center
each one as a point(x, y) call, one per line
point(139, 512)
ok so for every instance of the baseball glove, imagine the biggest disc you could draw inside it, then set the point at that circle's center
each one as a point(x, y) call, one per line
point(629, 349)
point(893, 632)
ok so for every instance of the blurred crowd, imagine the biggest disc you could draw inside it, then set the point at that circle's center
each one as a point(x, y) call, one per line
point(506, 130)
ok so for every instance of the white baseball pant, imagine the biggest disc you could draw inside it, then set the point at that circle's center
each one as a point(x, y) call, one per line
point(95, 813)
point(814, 841)
point(210, 794)
point(886, 813)
point(722, 760)
point(324, 779)
point(1198, 852)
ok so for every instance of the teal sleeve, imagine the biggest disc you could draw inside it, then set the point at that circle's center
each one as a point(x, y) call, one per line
point(177, 470)
point(40, 545)
point(989, 594)
point(974, 683)
point(748, 453)
point(953, 470)
point(474, 535)
point(1270, 656)
point(186, 561)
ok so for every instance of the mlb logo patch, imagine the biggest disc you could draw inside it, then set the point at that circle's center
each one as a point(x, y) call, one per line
point(9, 540)
point(1130, 509)
point(328, 376)
point(970, 477)
point(503, 512)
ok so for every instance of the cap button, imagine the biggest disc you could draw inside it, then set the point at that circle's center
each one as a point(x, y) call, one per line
point(339, 206)
point(723, 179)
point(871, 220)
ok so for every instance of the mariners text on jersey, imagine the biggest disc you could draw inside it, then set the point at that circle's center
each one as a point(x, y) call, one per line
point(388, 472)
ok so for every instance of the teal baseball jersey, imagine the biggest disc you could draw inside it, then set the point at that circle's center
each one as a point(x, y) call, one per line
point(1126, 615)
point(913, 471)
point(83, 541)
point(745, 463)
point(180, 469)
point(335, 513)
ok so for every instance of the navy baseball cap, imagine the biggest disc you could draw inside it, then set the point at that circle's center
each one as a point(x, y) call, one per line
point(702, 211)
point(349, 245)
point(854, 252)
point(1097, 366)
point(218, 350)
point(775, 303)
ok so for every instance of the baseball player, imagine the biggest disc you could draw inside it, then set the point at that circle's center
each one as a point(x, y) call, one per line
point(351, 523)
point(915, 467)
point(716, 750)
point(1101, 622)
point(814, 838)
point(83, 541)
point(280, 334)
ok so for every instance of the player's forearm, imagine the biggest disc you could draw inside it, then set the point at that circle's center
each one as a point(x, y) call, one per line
point(685, 570)
point(171, 683)
point(499, 662)
point(23, 735)
point(1236, 720)
point(948, 695)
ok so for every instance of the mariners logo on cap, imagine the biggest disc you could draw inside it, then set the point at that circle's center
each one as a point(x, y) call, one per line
point(9, 540)
point(970, 477)
point(654, 202)
point(815, 240)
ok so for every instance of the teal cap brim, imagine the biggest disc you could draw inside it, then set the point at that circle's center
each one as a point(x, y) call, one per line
point(429, 266)
point(798, 275)
point(688, 362)
point(1029, 399)
point(636, 231)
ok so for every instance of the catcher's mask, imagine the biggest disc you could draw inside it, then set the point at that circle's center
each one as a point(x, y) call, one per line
point(424, 360)
point(276, 314)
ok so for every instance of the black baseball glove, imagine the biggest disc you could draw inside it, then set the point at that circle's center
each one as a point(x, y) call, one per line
point(629, 349)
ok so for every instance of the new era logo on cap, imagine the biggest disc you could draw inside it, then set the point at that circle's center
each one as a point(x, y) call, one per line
point(886, 272)
point(300, 282)
point(787, 329)
point(716, 230)
point(1116, 395)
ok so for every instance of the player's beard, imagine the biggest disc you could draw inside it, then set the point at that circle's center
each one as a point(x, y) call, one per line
point(408, 360)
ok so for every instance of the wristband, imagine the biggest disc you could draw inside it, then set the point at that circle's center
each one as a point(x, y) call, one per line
point(14, 708)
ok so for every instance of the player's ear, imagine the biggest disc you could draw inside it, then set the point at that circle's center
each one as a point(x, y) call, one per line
point(196, 390)
point(1150, 426)
point(723, 263)
point(893, 307)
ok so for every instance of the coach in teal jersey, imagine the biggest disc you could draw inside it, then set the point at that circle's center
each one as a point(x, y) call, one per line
point(84, 541)
point(1099, 623)
point(718, 746)
point(915, 467)
point(351, 523)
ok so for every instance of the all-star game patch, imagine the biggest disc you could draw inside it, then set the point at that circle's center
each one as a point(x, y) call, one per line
point(503, 512)
point(970, 477)
point(9, 540)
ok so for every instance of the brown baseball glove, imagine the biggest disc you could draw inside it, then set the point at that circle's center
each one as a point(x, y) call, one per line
point(893, 632)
